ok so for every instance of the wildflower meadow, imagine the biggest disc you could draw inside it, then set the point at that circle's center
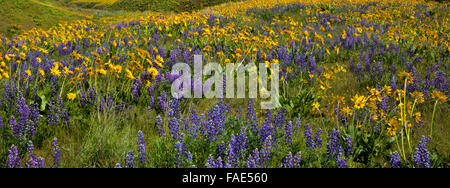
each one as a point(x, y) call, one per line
point(361, 84)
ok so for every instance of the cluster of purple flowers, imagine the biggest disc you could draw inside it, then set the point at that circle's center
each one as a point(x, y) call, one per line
point(13, 157)
point(57, 113)
point(266, 152)
point(88, 98)
point(182, 154)
point(159, 126)
point(129, 160)
point(141, 147)
point(251, 116)
point(211, 163)
point(308, 136)
point(288, 133)
point(334, 144)
point(135, 88)
point(162, 101)
point(348, 149)
point(254, 160)
point(174, 127)
point(56, 153)
point(421, 155)
point(292, 161)
point(340, 161)
point(395, 160)
point(267, 128)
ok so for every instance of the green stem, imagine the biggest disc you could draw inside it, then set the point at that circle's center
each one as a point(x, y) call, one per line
point(432, 119)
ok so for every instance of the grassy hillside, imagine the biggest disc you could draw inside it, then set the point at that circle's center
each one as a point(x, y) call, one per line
point(169, 5)
point(19, 15)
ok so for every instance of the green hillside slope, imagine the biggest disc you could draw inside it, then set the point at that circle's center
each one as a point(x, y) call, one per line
point(19, 15)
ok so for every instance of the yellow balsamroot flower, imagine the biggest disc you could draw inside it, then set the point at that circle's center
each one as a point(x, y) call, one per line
point(130, 74)
point(417, 117)
point(22, 56)
point(339, 100)
point(375, 95)
point(393, 126)
point(55, 69)
point(148, 83)
point(439, 96)
point(398, 94)
point(359, 101)
point(346, 111)
point(387, 90)
point(38, 59)
point(405, 75)
point(289, 70)
point(101, 71)
point(316, 106)
point(358, 125)
point(153, 71)
point(41, 71)
point(418, 96)
point(28, 72)
point(6, 75)
point(71, 96)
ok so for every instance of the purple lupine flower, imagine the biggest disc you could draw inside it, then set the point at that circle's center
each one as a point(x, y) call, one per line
point(32, 163)
point(312, 64)
point(151, 90)
point(56, 153)
point(439, 82)
point(129, 160)
point(308, 136)
point(359, 70)
point(292, 162)
point(16, 129)
point(317, 139)
point(216, 121)
point(253, 160)
point(117, 165)
point(220, 151)
point(393, 84)
point(340, 161)
point(162, 101)
point(384, 104)
point(174, 127)
point(421, 155)
point(334, 144)
point(210, 163)
point(266, 152)
point(280, 118)
point(181, 151)
point(251, 116)
point(141, 144)
point(55, 111)
point(135, 87)
point(24, 112)
point(34, 116)
point(13, 157)
point(348, 149)
point(395, 160)
point(40, 162)
point(231, 156)
point(174, 108)
point(159, 126)
point(266, 128)
point(297, 126)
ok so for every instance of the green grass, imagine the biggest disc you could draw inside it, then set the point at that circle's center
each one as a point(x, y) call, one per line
point(17, 16)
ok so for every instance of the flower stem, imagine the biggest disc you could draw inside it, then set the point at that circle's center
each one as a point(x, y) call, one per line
point(432, 119)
